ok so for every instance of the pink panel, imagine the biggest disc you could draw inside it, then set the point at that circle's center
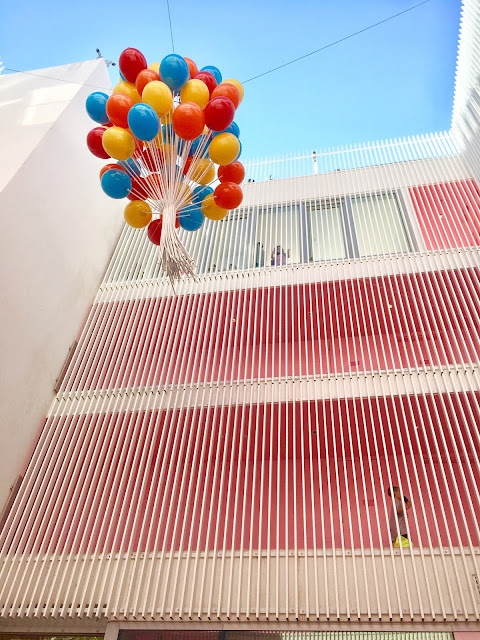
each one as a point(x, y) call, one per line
point(448, 213)
point(263, 476)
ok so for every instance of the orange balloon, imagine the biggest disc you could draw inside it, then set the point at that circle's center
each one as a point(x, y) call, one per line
point(237, 84)
point(144, 77)
point(188, 120)
point(227, 91)
point(192, 67)
point(118, 106)
point(107, 167)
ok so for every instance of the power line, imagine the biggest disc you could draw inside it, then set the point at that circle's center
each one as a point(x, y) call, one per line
point(331, 44)
point(170, 21)
point(327, 46)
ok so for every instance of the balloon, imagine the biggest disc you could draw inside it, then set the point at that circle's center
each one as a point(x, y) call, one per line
point(215, 73)
point(158, 95)
point(129, 165)
point(122, 77)
point(143, 121)
point(109, 166)
point(152, 160)
point(137, 214)
point(224, 148)
point(219, 113)
point(131, 62)
point(139, 189)
point(154, 184)
point(233, 128)
point(237, 84)
point(211, 210)
point(118, 143)
point(229, 91)
point(234, 172)
point(95, 106)
point(228, 195)
point(174, 71)
point(144, 77)
point(201, 171)
point(191, 218)
point(200, 193)
point(118, 106)
point(94, 142)
point(202, 141)
point(240, 152)
point(192, 67)
point(154, 66)
point(128, 89)
point(154, 231)
point(208, 79)
point(188, 120)
point(116, 183)
point(195, 91)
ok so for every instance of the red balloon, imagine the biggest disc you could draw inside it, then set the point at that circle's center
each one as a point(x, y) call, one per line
point(144, 77)
point(94, 142)
point(187, 164)
point(192, 67)
point(131, 62)
point(118, 106)
point(139, 189)
point(229, 91)
point(154, 185)
point(234, 172)
point(151, 158)
point(107, 167)
point(208, 79)
point(154, 231)
point(188, 120)
point(219, 113)
point(107, 125)
point(177, 221)
point(228, 195)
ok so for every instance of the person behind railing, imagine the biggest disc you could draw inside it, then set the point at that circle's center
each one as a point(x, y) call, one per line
point(399, 532)
point(279, 256)
point(260, 255)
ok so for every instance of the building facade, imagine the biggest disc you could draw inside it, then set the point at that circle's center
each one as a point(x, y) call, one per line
point(217, 459)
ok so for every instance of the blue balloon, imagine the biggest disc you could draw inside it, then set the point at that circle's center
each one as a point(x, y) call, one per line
point(122, 77)
point(215, 73)
point(96, 105)
point(130, 166)
point(200, 193)
point(143, 121)
point(200, 140)
point(239, 153)
point(174, 71)
point(116, 183)
point(233, 128)
point(191, 218)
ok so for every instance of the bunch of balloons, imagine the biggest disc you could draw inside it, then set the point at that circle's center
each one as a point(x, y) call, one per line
point(168, 125)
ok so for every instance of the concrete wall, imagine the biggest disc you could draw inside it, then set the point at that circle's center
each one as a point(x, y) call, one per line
point(57, 233)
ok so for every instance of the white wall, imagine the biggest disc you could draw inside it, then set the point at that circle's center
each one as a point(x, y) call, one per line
point(57, 233)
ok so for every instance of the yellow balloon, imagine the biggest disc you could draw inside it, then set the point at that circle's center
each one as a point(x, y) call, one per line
point(211, 210)
point(129, 89)
point(118, 143)
point(155, 66)
point(224, 148)
point(202, 171)
point(137, 214)
point(158, 95)
point(195, 91)
point(237, 84)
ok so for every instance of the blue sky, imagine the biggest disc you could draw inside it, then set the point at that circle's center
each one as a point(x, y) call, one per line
point(394, 80)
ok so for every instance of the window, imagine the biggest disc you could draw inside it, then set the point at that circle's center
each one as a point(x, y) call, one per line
point(229, 243)
point(379, 225)
point(327, 231)
point(277, 236)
